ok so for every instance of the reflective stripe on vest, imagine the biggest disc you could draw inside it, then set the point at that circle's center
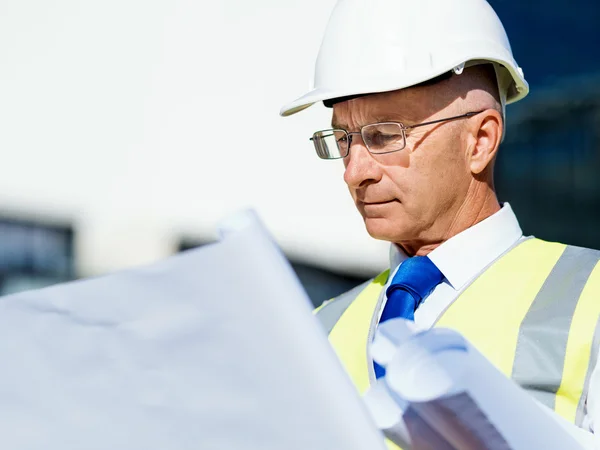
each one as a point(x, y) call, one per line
point(533, 313)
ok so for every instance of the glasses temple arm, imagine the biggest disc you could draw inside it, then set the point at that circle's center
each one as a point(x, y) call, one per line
point(462, 116)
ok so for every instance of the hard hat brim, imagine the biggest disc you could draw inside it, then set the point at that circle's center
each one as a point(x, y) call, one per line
point(520, 89)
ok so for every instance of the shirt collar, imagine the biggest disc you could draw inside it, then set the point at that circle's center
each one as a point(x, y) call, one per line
point(462, 257)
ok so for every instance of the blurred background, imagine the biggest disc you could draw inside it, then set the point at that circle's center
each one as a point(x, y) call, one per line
point(129, 128)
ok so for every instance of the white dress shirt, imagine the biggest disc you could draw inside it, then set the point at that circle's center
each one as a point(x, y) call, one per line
point(464, 257)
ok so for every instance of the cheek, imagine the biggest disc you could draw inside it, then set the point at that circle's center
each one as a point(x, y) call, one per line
point(401, 159)
point(423, 182)
point(440, 177)
point(410, 175)
point(397, 169)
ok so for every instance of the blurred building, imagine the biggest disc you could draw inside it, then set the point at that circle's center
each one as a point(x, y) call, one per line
point(139, 140)
point(549, 163)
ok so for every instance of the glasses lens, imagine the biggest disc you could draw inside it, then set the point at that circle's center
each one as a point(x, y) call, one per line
point(331, 144)
point(383, 137)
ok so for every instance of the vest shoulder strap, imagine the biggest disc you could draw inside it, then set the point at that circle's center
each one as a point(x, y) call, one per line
point(331, 310)
point(536, 313)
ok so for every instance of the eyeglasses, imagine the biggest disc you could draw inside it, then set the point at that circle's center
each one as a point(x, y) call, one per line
point(379, 138)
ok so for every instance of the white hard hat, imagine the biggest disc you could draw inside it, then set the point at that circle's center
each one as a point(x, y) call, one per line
point(383, 45)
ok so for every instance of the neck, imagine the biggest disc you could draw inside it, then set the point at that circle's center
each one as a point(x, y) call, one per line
point(479, 204)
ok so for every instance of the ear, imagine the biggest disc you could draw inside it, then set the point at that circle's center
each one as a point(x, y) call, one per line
point(486, 136)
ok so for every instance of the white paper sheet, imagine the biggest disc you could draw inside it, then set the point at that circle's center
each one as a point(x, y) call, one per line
point(212, 349)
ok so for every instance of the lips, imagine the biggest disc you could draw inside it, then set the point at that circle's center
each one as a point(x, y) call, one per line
point(375, 203)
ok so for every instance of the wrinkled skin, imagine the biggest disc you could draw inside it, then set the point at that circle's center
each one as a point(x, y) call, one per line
point(442, 182)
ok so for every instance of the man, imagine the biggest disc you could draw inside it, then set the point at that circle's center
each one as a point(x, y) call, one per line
point(418, 91)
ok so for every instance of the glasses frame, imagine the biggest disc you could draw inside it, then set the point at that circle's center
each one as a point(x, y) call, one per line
point(403, 127)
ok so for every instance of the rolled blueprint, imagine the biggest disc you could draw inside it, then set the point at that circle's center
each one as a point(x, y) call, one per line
point(441, 382)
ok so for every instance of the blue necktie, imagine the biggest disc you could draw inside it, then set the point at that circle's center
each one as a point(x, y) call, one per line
point(415, 279)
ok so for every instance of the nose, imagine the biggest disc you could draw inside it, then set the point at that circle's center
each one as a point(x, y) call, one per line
point(361, 167)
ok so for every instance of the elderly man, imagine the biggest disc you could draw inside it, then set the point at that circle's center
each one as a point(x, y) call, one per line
point(418, 91)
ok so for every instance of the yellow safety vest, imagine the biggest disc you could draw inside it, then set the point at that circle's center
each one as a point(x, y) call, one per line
point(533, 313)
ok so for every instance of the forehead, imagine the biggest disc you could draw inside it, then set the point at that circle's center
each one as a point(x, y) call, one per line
point(410, 105)
point(406, 105)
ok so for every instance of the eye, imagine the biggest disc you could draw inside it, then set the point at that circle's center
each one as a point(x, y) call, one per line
point(383, 139)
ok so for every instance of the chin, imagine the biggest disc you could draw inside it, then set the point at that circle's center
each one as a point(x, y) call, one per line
point(384, 229)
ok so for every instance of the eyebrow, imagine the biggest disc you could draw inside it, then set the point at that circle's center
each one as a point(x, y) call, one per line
point(337, 125)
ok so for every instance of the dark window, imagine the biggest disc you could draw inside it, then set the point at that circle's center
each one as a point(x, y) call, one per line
point(34, 254)
point(549, 169)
